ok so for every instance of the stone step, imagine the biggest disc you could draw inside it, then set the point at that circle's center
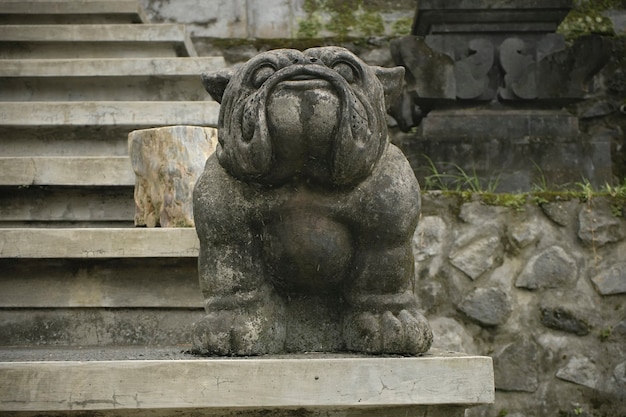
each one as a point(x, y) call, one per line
point(64, 170)
point(91, 128)
point(134, 114)
point(60, 206)
point(119, 79)
point(94, 41)
point(72, 283)
point(64, 243)
point(435, 384)
point(70, 11)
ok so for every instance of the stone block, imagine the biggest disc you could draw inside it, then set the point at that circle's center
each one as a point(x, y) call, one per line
point(479, 16)
point(167, 162)
point(488, 306)
point(66, 171)
point(564, 319)
point(316, 385)
point(212, 18)
point(580, 370)
point(79, 41)
point(551, 268)
point(270, 19)
point(103, 242)
point(486, 124)
point(597, 225)
point(15, 12)
point(108, 113)
point(611, 280)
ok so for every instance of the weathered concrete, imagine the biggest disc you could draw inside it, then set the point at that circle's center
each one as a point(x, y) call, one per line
point(161, 283)
point(268, 386)
point(73, 41)
point(75, 327)
point(105, 79)
point(98, 243)
point(55, 205)
point(167, 162)
point(68, 11)
point(108, 113)
point(76, 171)
point(109, 67)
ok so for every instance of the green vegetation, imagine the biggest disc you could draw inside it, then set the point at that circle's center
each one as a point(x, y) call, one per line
point(341, 18)
point(605, 334)
point(470, 186)
point(586, 18)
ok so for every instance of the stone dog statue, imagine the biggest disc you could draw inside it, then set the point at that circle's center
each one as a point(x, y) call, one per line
point(306, 212)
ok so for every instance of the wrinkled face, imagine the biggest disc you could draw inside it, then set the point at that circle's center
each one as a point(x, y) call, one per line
point(317, 114)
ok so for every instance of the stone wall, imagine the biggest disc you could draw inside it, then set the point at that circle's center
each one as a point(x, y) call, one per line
point(539, 287)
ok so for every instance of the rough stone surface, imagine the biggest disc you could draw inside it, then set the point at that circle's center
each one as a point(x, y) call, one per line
point(524, 234)
point(449, 334)
point(551, 268)
point(599, 226)
point(620, 372)
point(167, 162)
point(476, 256)
point(306, 213)
point(611, 280)
point(515, 367)
point(561, 318)
point(579, 370)
point(561, 212)
point(565, 275)
point(488, 306)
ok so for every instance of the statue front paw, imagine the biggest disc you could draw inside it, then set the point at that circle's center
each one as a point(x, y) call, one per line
point(406, 332)
point(232, 333)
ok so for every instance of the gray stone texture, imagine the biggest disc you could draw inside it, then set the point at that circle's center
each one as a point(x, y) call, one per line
point(611, 279)
point(563, 316)
point(487, 306)
point(564, 319)
point(580, 370)
point(551, 268)
point(561, 212)
point(598, 225)
point(167, 162)
point(515, 366)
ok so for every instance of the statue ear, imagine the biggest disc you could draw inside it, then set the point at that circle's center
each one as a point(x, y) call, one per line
point(215, 83)
point(391, 79)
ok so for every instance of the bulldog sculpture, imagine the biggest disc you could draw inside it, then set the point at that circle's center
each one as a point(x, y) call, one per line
point(305, 212)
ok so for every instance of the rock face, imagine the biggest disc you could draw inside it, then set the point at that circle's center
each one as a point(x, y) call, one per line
point(549, 308)
point(167, 162)
point(306, 212)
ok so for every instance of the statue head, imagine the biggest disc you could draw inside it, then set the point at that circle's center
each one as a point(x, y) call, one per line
point(317, 114)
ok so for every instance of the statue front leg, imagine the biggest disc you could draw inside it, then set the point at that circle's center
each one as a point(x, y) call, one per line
point(244, 315)
point(383, 316)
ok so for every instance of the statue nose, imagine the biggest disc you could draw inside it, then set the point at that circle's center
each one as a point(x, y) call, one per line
point(307, 60)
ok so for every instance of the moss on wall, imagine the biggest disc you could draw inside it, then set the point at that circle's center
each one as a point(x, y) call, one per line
point(343, 19)
point(586, 18)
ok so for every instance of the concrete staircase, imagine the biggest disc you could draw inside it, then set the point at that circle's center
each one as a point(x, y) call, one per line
point(76, 76)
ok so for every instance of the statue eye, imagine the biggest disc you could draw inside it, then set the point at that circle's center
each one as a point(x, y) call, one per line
point(261, 75)
point(346, 71)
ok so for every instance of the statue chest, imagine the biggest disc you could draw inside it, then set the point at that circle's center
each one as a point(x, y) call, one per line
point(307, 248)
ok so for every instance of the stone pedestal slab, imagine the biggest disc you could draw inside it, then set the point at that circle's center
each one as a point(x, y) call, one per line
point(309, 385)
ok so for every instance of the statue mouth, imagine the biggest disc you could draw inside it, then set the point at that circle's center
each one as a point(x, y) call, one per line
point(309, 76)
point(305, 82)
